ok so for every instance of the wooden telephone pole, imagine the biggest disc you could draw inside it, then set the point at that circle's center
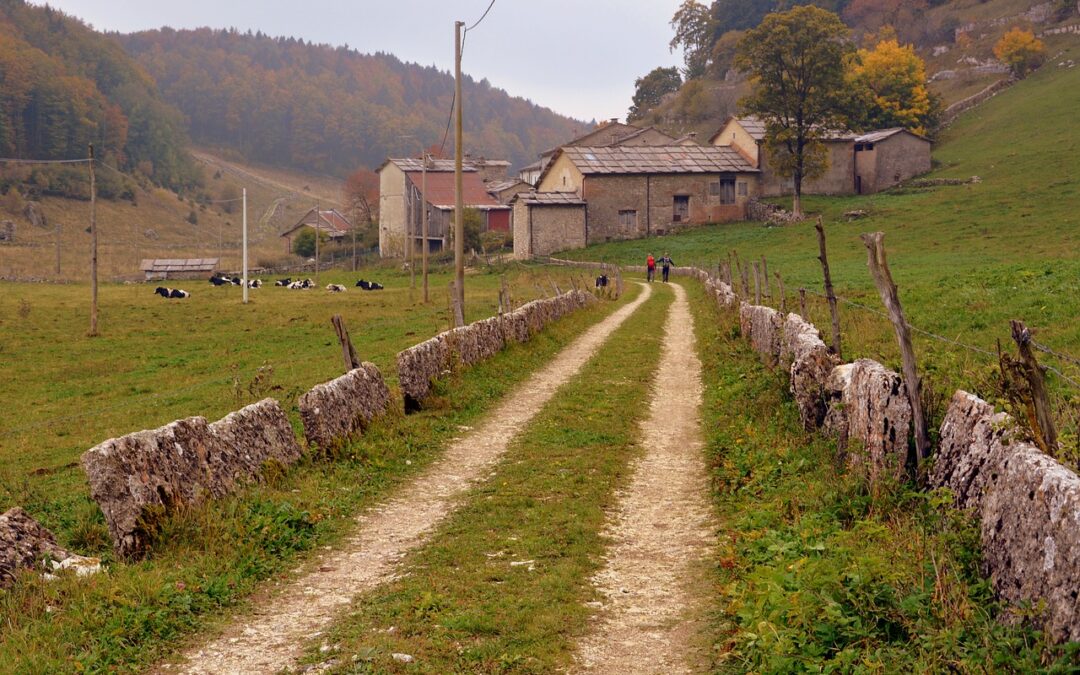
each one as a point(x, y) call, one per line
point(423, 219)
point(93, 249)
point(459, 206)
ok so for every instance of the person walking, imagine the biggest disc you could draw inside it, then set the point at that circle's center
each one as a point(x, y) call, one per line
point(650, 267)
point(666, 264)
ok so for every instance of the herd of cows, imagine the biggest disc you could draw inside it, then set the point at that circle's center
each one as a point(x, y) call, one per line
point(297, 284)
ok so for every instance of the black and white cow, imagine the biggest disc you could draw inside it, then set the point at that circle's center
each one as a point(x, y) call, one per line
point(335, 288)
point(171, 292)
point(254, 283)
point(369, 285)
point(602, 281)
point(218, 280)
point(306, 283)
point(283, 282)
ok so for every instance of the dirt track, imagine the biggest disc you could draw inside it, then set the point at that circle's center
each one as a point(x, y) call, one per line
point(273, 635)
point(662, 528)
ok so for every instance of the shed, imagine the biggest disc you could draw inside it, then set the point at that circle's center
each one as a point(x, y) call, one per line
point(546, 222)
point(177, 268)
point(330, 222)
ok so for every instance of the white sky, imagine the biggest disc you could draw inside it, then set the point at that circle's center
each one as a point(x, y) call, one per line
point(578, 57)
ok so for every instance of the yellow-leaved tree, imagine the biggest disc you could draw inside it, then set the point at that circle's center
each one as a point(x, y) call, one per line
point(1021, 51)
point(887, 85)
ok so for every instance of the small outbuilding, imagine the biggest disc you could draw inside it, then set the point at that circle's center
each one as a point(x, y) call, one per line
point(546, 222)
point(889, 157)
point(330, 222)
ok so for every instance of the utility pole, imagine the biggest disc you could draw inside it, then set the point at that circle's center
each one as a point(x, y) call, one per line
point(410, 239)
point(245, 257)
point(58, 233)
point(318, 217)
point(459, 206)
point(93, 249)
point(423, 219)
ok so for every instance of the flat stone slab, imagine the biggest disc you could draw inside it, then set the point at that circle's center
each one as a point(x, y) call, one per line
point(24, 544)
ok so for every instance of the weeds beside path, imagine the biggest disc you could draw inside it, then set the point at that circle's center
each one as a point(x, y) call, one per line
point(272, 638)
point(662, 530)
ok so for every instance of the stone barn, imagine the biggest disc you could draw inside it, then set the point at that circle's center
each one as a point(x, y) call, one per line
point(546, 222)
point(889, 157)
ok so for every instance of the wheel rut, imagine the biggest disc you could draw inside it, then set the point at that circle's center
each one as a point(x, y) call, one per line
point(662, 528)
point(272, 635)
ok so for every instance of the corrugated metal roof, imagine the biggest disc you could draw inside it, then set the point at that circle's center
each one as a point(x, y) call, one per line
point(440, 190)
point(550, 198)
point(329, 221)
point(657, 159)
point(178, 264)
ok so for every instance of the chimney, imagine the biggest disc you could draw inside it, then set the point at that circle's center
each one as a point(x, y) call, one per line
point(614, 120)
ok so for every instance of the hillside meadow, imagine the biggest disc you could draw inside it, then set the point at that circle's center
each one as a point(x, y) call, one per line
point(967, 258)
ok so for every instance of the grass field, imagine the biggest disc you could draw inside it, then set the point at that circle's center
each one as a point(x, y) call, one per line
point(159, 360)
point(967, 259)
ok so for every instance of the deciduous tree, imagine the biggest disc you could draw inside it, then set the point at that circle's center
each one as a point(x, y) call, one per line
point(796, 63)
point(1021, 51)
point(652, 88)
point(888, 88)
point(694, 33)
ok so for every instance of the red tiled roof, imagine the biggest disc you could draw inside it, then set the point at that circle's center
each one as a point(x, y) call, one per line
point(440, 190)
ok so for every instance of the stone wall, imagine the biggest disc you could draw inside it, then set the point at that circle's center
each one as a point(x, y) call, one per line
point(137, 478)
point(762, 326)
point(421, 365)
point(24, 543)
point(808, 361)
point(335, 410)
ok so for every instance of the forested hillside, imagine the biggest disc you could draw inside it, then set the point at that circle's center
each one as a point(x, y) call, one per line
point(288, 102)
point(62, 86)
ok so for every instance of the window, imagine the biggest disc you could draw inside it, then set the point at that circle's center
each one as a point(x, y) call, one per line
point(727, 190)
point(627, 219)
point(743, 189)
point(681, 208)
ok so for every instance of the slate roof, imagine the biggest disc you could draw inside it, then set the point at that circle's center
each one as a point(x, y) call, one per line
point(755, 126)
point(178, 264)
point(440, 190)
point(434, 166)
point(659, 159)
point(550, 198)
point(500, 185)
point(329, 221)
point(882, 134)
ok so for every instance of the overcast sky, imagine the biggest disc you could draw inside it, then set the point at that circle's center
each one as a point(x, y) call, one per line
point(578, 57)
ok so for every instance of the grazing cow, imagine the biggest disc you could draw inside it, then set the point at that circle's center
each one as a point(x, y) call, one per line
point(369, 285)
point(602, 281)
point(336, 288)
point(283, 282)
point(171, 292)
point(219, 280)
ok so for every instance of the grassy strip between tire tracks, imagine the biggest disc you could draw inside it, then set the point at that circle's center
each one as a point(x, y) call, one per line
point(503, 584)
point(213, 559)
point(815, 573)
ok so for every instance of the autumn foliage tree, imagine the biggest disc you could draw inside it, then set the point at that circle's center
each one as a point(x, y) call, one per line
point(361, 189)
point(888, 89)
point(796, 64)
point(1021, 51)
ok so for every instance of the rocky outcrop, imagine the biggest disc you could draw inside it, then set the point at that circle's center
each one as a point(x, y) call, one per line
point(335, 410)
point(24, 543)
point(809, 363)
point(868, 404)
point(138, 478)
point(763, 327)
point(1030, 528)
point(423, 364)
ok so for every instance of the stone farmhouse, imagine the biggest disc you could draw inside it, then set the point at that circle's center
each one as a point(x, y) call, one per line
point(401, 204)
point(858, 163)
point(330, 222)
point(587, 195)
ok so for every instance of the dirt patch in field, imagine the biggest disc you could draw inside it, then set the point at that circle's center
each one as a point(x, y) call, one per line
point(275, 632)
point(661, 531)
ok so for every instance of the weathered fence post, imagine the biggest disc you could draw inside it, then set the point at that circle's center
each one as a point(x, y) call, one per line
point(802, 303)
point(757, 283)
point(765, 275)
point(783, 295)
point(352, 361)
point(1046, 434)
point(879, 269)
point(829, 294)
point(618, 282)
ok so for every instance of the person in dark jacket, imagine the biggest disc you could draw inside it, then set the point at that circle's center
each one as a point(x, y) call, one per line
point(665, 265)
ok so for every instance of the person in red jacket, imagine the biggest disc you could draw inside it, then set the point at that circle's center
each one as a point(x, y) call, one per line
point(650, 266)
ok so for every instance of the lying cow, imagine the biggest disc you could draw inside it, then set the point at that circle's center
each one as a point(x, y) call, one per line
point(602, 281)
point(335, 288)
point(254, 283)
point(171, 292)
point(369, 285)
point(306, 283)
point(283, 282)
point(219, 280)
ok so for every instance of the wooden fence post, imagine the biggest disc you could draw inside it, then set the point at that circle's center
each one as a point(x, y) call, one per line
point(879, 269)
point(829, 294)
point(352, 361)
point(765, 275)
point(783, 295)
point(1046, 434)
point(802, 303)
point(757, 283)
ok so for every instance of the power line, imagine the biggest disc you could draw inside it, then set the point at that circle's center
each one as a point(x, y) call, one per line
point(477, 23)
point(9, 160)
